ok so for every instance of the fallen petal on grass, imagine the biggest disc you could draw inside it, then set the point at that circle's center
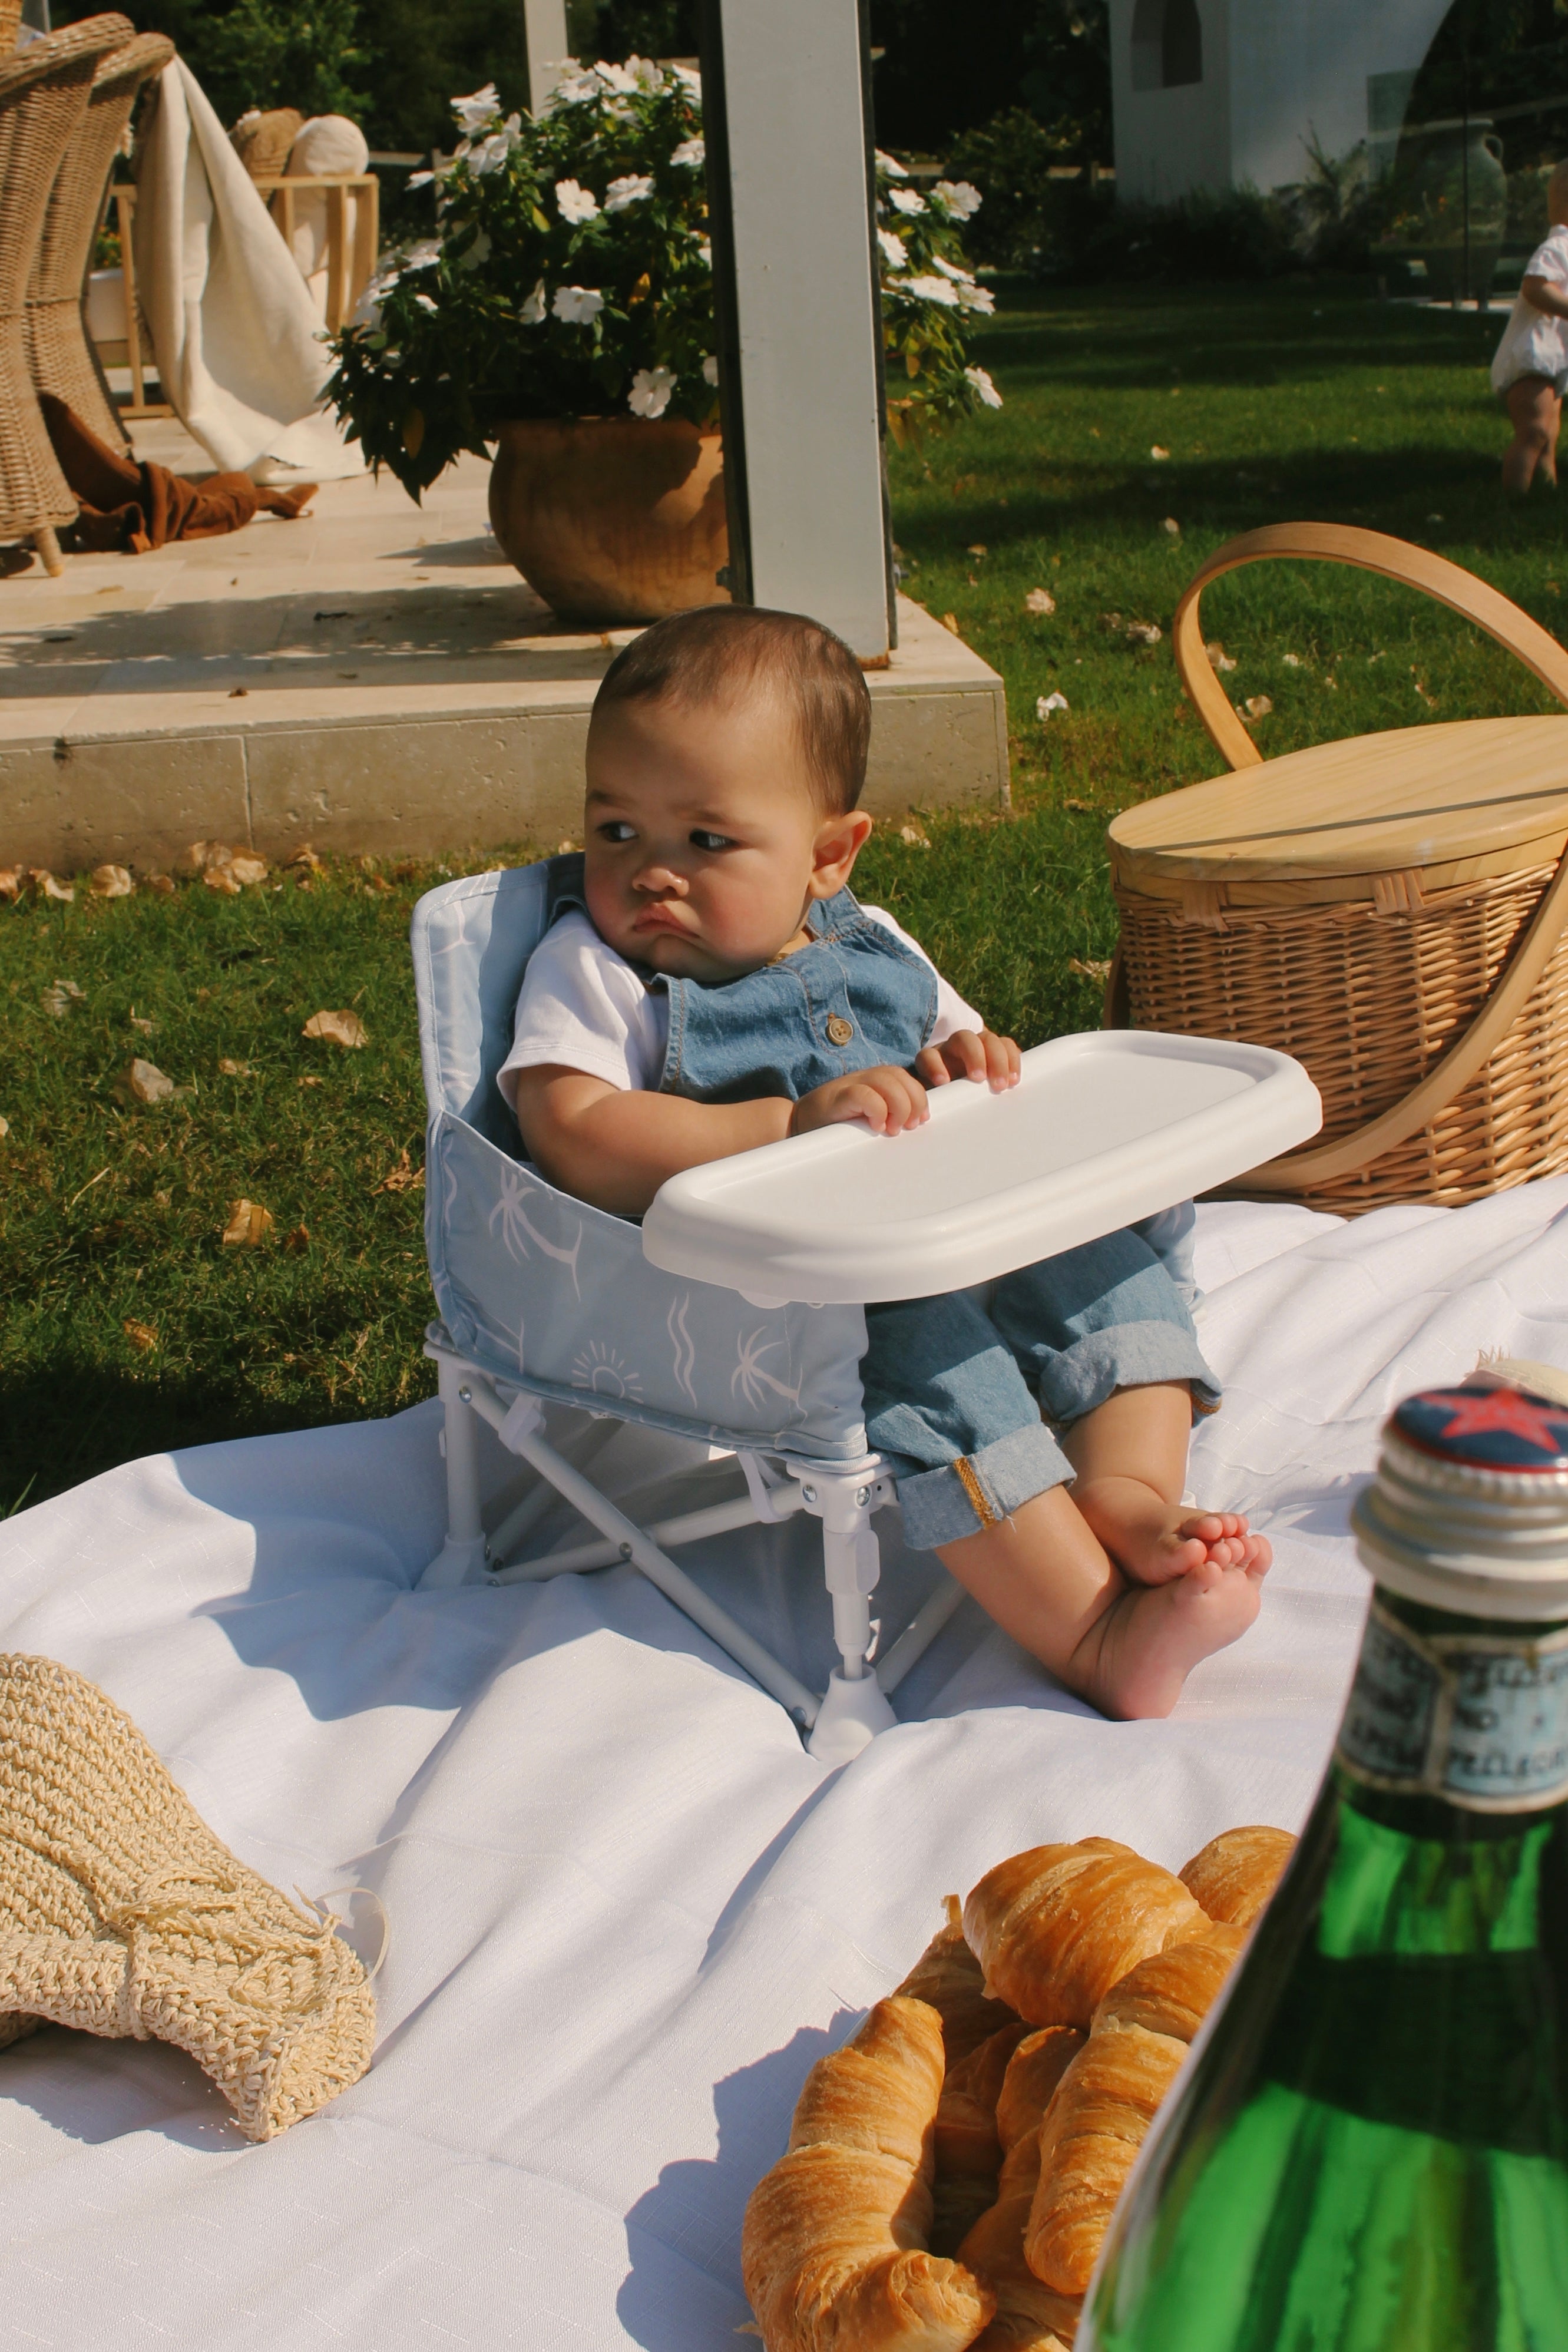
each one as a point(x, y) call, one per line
point(140, 1021)
point(1039, 600)
point(312, 1082)
point(950, 623)
point(1079, 808)
point(1257, 706)
point(223, 878)
point(1046, 703)
point(1094, 968)
point(306, 856)
point(141, 1335)
point(1217, 654)
point(12, 877)
point(913, 835)
point(59, 999)
point(110, 882)
point(49, 886)
point(162, 883)
point(147, 1082)
point(4, 1129)
point(1157, 452)
point(232, 1069)
point(247, 867)
point(336, 1028)
point(295, 1239)
point(248, 1225)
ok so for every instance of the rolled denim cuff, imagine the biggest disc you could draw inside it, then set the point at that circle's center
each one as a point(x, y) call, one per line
point(941, 1505)
point(1126, 1356)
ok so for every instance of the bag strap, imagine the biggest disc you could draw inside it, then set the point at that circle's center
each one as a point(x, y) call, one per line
point(1488, 609)
point(1368, 551)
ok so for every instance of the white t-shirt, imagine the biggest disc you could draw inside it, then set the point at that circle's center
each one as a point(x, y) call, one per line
point(1533, 345)
point(584, 1007)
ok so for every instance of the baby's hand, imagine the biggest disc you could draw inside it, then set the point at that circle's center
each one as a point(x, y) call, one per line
point(889, 1100)
point(965, 1055)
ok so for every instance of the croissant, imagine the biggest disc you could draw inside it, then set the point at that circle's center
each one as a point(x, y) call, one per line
point(968, 2152)
point(1056, 1927)
point(948, 1975)
point(1088, 2143)
point(1108, 2096)
point(1030, 2317)
point(833, 2247)
point(1035, 2069)
point(1236, 1873)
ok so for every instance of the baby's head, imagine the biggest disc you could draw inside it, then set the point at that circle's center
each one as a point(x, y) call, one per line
point(1557, 196)
point(726, 754)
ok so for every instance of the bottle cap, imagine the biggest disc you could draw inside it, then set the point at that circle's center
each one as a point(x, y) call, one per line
point(1469, 1509)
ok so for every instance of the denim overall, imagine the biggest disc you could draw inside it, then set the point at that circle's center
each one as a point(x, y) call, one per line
point(956, 1385)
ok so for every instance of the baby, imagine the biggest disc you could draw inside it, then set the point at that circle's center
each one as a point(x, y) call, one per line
point(1531, 369)
point(710, 984)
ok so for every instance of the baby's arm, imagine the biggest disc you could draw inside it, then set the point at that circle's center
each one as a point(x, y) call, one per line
point(615, 1146)
point(1545, 294)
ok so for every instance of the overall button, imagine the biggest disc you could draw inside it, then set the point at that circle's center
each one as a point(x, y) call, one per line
point(839, 1031)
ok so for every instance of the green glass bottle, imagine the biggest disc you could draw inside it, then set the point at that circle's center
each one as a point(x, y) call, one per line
point(1368, 2152)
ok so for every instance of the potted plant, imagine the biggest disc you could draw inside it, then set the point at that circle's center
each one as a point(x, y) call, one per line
point(563, 313)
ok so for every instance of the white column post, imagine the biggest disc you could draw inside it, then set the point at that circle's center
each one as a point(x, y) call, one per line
point(544, 24)
point(786, 111)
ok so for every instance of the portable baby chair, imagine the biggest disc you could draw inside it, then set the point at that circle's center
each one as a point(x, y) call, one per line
point(701, 1321)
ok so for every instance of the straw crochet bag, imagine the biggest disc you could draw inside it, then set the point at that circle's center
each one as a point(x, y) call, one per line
point(121, 1913)
point(1391, 909)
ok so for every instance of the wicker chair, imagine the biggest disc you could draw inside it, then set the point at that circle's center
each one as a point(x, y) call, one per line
point(44, 93)
point(63, 358)
point(10, 25)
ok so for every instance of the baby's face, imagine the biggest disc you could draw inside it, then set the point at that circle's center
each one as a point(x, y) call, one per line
point(704, 844)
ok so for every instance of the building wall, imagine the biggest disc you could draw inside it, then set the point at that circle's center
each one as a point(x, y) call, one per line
point(1275, 72)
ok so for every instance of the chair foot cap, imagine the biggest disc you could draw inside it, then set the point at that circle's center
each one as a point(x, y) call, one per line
point(455, 1563)
point(851, 1715)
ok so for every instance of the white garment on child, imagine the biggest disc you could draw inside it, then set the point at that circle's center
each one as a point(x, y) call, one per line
point(1533, 345)
point(584, 1007)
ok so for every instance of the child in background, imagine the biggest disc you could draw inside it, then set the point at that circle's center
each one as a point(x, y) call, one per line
point(1531, 369)
point(708, 984)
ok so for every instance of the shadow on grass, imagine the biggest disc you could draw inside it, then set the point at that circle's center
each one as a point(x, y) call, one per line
point(71, 1420)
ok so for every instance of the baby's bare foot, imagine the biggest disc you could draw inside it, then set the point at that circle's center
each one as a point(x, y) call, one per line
point(1153, 1541)
point(1137, 1656)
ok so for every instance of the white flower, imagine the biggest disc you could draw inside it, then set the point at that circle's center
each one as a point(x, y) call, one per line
point(573, 89)
point(950, 269)
point(576, 204)
point(491, 152)
point(691, 151)
point(425, 303)
point(619, 78)
point(895, 252)
point(578, 305)
point(423, 256)
point(710, 370)
point(976, 298)
point(690, 80)
point(705, 253)
point(932, 290)
point(904, 200)
point(891, 165)
point(632, 189)
point(478, 253)
point(645, 74)
point(474, 114)
point(651, 388)
point(418, 179)
point(1046, 703)
point(1039, 600)
point(982, 384)
point(532, 311)
point(960, 198)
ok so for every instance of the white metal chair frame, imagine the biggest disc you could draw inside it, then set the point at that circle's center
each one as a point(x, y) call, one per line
point(855, 1706)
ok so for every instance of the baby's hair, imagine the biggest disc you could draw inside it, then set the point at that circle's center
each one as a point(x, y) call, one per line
point(717, 653)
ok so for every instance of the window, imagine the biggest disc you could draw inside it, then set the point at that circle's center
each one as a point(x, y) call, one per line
point(1167, 44)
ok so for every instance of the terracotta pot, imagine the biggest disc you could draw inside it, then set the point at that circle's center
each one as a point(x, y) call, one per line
point(613, 520)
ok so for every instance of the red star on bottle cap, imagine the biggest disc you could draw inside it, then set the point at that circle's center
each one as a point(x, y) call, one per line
point(1503, 1413)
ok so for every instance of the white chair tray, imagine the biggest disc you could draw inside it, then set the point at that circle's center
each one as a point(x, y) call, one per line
point(1101, 1129)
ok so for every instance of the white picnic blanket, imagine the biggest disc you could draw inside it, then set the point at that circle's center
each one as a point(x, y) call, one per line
point(628, 1910)
point(234, 325)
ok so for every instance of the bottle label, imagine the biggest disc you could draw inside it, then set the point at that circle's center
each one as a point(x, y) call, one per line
point(1478, 1719)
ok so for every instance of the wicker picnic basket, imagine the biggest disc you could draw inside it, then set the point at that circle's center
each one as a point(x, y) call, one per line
point(1391, 909)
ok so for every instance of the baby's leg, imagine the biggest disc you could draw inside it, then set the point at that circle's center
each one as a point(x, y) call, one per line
point(1046, 1579)
point(1533, 411)
point(1131, 1456)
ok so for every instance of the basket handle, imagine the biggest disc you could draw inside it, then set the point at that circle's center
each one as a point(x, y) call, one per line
point(1368, 551)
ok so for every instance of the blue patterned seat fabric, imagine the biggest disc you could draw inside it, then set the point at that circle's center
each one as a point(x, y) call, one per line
point(546, 1294)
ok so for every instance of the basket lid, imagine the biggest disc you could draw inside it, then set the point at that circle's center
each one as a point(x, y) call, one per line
point(1416, 796)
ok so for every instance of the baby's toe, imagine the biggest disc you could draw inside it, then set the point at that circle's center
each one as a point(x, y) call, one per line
point(1259, 1556)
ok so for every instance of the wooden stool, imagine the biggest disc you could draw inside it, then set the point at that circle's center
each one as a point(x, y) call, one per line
point(1390, 909)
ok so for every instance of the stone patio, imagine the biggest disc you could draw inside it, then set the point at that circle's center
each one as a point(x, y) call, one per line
point(375, 678)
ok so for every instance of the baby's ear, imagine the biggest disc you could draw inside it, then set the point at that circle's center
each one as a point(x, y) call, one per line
point(840, 841)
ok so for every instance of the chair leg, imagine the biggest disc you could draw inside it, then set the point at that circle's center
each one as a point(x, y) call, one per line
point(855, 1709)
point(49, 547)
point(462, 1556)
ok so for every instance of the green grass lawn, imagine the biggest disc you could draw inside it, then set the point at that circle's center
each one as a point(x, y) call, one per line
point(126, 1325)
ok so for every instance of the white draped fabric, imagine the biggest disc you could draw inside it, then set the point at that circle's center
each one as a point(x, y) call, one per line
point(234, 325)
point(628, 1910)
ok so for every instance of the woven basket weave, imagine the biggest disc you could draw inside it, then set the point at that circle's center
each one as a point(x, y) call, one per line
point(1429, 1003)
